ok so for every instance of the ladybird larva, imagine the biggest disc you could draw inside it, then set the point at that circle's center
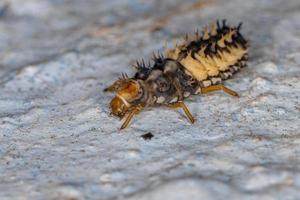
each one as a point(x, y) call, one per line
point(197, 66)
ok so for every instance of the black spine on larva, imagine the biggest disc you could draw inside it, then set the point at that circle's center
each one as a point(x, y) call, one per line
point(143, 70)
point(239, 38)
point(159, 61)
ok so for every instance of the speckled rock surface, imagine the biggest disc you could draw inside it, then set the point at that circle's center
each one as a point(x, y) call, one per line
point(57, 140)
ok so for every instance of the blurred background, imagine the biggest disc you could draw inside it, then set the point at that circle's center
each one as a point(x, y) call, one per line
point(57, 140)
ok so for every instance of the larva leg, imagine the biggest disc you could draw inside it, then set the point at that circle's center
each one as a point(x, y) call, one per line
point(213, 88)
point(178, 88)
point(180, 104)
point(175, 82)
point(133, 112)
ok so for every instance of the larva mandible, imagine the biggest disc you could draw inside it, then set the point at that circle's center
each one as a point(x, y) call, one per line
point(197, 66)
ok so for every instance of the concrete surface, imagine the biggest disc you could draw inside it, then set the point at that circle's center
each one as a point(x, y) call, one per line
point(57, 140)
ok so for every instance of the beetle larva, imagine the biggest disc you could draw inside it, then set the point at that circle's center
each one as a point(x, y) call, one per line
point(197, 66)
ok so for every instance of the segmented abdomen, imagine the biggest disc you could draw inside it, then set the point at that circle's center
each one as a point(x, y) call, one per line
point(213, 57)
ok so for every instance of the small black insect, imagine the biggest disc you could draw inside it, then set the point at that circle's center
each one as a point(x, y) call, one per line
point(147, 136)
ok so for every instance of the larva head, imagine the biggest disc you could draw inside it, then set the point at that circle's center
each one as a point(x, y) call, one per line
point(127, 91)
point(118, 108)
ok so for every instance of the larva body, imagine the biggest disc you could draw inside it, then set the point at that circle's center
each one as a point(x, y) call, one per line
point(199, 65)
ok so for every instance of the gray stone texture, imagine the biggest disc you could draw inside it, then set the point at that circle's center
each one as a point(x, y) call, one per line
point(58, 141)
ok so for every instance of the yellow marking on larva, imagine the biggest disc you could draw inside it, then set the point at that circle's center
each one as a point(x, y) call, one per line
point(239, 52)
point(234, 55)
point(208, 63)
point(204, 60)
point(194, 67)
point(173, 53)
point(213, 67)
point(205, 33)
point(220, 63)
point(189, 38)
point(213, 29)
point(229, 59)
point(201, 51)
point(228, 36)
point(221, 42)
point(201, 65)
